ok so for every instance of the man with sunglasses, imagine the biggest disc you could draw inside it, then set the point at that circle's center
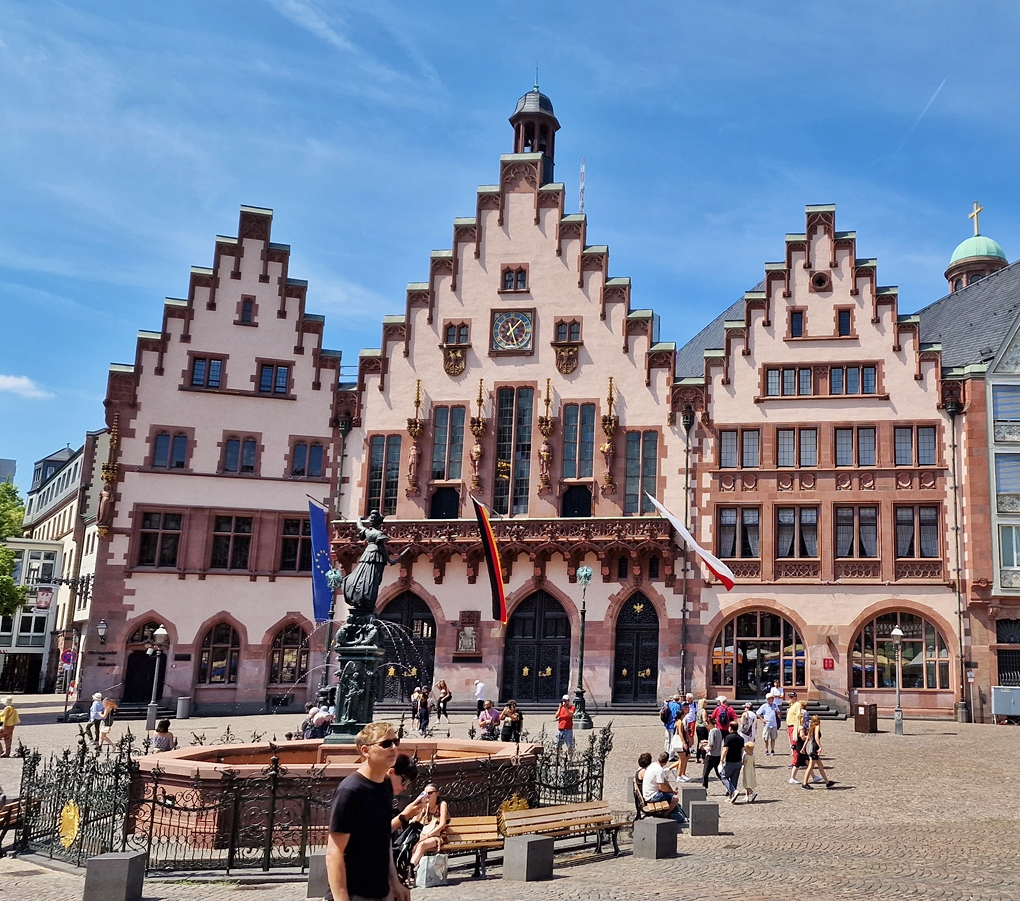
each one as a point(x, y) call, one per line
point(359, 850)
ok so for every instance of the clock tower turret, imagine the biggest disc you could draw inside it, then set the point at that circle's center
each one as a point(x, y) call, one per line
point(535, 128)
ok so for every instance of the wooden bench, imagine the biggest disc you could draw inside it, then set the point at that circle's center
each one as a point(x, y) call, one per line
point(11, 816)
point(473, 835)
point(645, 808)
point(565, 821)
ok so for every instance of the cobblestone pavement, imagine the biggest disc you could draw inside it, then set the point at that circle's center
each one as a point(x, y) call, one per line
point(931, 814)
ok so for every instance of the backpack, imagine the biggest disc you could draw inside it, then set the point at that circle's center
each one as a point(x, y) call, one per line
point(724, 717)
point(665, 715)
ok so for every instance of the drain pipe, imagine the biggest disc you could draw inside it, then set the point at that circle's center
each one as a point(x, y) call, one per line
point(953, 409)
point(688, 423)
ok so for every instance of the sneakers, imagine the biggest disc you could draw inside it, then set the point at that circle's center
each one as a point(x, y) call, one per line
point(733, 798)
point(794, 781)
point(684, 779)
point(803, 785)
point(829, 784)
point(818, 779)
point(753, 798)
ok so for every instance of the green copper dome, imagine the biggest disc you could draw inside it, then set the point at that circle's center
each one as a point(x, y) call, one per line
point(977, 246)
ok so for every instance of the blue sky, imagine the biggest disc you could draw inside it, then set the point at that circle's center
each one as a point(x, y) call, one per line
point(130, 133)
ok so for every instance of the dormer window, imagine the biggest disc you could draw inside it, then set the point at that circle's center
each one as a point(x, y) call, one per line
point(515, 278)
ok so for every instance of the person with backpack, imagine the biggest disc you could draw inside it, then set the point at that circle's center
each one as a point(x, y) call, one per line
point(723, 714)
point(668, 715)
point(701, 727)
point(714, 751)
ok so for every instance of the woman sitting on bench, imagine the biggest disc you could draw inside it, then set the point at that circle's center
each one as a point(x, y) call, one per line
point(433, 819)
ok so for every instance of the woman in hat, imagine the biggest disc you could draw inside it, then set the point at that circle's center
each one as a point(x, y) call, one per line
point(95, 715)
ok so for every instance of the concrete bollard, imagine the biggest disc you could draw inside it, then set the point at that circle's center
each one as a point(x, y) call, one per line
point(118, 876)
point(528, 858)
point(704, 818)
point(655, 838)
point(689, 793)
point(318, 880)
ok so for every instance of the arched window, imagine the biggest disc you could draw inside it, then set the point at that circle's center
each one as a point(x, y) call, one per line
point(248, 455)
point(179, 452)
point(161, 455)
point(288, 663)
point(217, 663)
point(755, 649)
point(143, 633)
point(300, 465)
point(315, 461)
point(232, 457)
point(924, 654)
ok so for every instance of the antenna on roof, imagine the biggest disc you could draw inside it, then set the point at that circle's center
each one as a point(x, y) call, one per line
point(581, 202)
point(536, 78)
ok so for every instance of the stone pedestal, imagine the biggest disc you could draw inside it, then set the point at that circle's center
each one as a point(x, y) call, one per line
point(528, 858)
point(355, 691)
point(704, 817)
point(688, 794)
point(655, 838)
point(115, 877)
point(318, 881)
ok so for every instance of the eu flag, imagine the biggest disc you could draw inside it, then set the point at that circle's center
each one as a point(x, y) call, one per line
point(322, 594)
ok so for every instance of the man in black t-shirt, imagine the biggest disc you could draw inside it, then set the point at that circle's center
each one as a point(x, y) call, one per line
point(359, 850)
point(732, 754)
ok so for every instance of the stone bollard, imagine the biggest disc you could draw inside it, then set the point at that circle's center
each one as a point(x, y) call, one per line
point(528, 858)
point(118, 876)
point(704, 818)
point(689, 793)
point(318, 880)
point(655, 838)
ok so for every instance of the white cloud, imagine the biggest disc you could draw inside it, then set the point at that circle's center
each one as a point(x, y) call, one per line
point(23, 386)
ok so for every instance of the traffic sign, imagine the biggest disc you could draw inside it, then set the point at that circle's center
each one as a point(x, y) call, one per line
point(69, 657)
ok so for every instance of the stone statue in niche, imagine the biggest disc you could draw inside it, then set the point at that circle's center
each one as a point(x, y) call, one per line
point(467, 640)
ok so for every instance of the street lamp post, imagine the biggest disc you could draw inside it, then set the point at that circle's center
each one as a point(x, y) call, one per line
point(584, 574)
point(897, 636)
point(158, 648)
point(688, 423)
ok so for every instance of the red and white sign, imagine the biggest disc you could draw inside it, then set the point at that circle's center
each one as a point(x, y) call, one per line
point(68, 657)
point(43, 597)
point(828, 663)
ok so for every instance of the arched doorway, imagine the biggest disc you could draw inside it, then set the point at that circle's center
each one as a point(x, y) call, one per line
point(755, 649)
point(577, 501)
point(536, 655)
point(636, 658)
point(445, 503)
point(141, 667)
point(409, 640)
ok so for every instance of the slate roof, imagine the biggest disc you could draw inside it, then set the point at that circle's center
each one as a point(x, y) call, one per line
point(972, 323)
point(690, 359)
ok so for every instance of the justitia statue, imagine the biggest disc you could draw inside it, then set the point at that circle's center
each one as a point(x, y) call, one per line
point(361, 587)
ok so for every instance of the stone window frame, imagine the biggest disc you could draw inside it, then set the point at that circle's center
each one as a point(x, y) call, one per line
point(156, 429)
point(516, 268)
point(857, 543)
point(855, 428)
point(252, 537)
point(739, 525)
point(135, 540)
point(740, 432)
point(940, 550)
point(798, 446)
point(186, 374)
point(579, 403)
point(790, 336)
point(915, 445)
point(852, 332)
point(457, 324)
point(563, 321)
point(946, 683)
point(292, 442)
point(256, 378)
point(303, 654)
point(241, 435)
point(239, 311)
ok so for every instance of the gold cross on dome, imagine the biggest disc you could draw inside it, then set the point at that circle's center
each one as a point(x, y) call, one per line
point(974, 216)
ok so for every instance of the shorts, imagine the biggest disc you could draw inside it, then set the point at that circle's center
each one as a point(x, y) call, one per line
point(798, 758)
point(769, 733)
point(565, 737)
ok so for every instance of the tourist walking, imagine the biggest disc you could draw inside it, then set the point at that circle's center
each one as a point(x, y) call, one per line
point(732, 755)
point(701, 726)
point(488, 721)
point(813, 749)
point(443, 697)
point(690, 718)
point(793, 715)
point(565, 724)
point(768, 713)
point(748, 723)
point(797, 758)
point(480, 694)
point(713, 754)
point(95, 715)
point(359, 849)
point(106, 722)
point(723, 714)
point(511, 720)
point(679, 748)
point(9, 718)
point(748, 777)
point(422, 710)
point(669, 715)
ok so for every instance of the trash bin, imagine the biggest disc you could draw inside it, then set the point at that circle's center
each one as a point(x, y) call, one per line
point(865, 717)
point(183, 708)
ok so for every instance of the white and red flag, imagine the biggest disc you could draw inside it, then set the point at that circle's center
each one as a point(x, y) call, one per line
point(718, 569)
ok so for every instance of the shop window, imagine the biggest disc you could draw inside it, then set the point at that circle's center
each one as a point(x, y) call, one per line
point(288, 660)
point(923, 660)
point(219, 656)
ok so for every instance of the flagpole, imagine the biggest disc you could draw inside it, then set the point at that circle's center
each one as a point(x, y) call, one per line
point(688, 423)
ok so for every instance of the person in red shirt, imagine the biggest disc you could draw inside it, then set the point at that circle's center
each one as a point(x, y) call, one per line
point(723, 714)
point(565, 723)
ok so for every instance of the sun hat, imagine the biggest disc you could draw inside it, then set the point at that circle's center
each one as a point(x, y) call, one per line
point(565, 698)
point(748, 706)
point(721, 699)
point(98, 696)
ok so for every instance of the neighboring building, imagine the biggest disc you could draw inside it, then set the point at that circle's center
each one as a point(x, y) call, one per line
point(8, 470)
point(219, 430)
point(25, 636)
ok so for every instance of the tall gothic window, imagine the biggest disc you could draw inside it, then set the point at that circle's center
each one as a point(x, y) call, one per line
point(447, 443)
point(578, 441)
point(642, 460)
point(514, 414)
point(383, 474)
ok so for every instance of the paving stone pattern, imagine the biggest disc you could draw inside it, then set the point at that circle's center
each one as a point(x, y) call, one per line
point(931, 814)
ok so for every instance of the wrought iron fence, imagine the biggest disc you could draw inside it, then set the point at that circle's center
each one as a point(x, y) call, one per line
point(85, 802)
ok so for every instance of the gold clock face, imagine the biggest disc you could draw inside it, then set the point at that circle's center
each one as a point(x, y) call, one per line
point(512, 330)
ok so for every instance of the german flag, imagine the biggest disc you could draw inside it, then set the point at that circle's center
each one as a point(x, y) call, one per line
point(492, 562)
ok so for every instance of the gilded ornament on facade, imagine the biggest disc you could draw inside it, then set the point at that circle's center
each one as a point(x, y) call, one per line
point(454, 360)
point(566, 358)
